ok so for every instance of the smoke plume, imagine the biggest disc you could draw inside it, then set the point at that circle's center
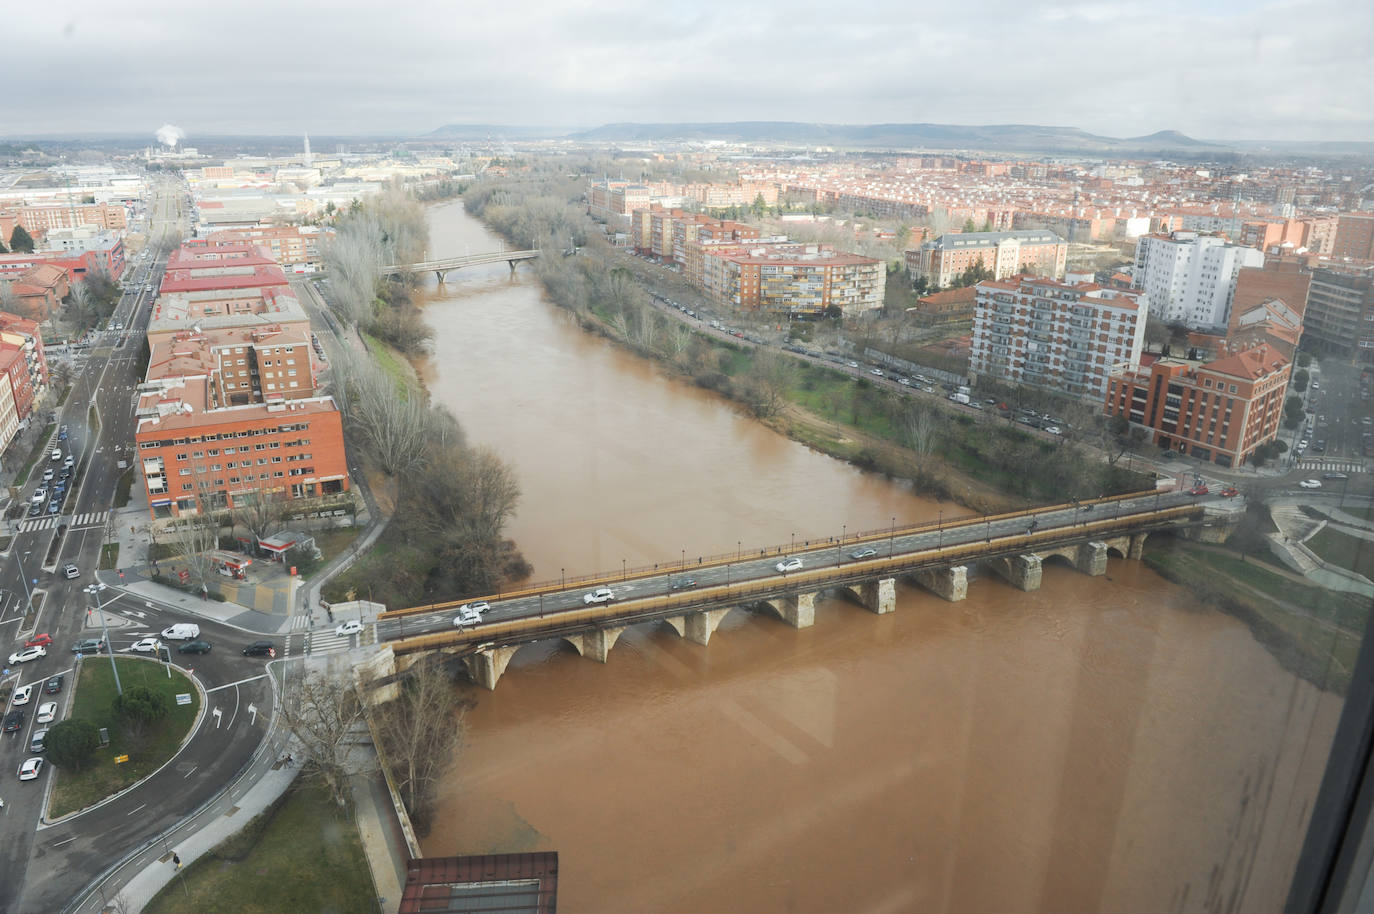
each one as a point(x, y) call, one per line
point(169, 135)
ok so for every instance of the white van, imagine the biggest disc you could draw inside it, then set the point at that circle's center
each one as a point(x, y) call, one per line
point(182, 631)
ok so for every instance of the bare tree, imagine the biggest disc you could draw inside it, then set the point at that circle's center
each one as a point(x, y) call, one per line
point(196, 537)
point(922, 424)
point(767, 382)
point(420, 733)
point(261, 510)
point(391, 425)
point(471, 495)
point(327, 718)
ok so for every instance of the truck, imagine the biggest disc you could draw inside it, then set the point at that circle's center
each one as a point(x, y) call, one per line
point(960, 398)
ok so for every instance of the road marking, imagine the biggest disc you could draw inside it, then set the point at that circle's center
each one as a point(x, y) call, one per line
point(228, 685)
point(60, 843)
point(132, 811)
point(253, 710)
point(219, 715)
point(236, 709)
point(191, 771)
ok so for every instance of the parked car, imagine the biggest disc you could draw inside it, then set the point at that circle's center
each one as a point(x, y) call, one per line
point(14, 720)
point(600, 595)
point(787, 565)
point(863, 553)
point(53, 685)
point(351, 627)
point(27, 654)
point(36, 741)
point(22, 695)
point(1310, 484)
point(31, 769)
point(195, 647)
point(47, 712)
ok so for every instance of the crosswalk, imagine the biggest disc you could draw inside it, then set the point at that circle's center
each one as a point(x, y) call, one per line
point(76, 521)
point(1331, 466)
point(326, 641)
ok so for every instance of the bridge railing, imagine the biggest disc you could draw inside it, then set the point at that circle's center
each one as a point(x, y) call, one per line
point(687, 565)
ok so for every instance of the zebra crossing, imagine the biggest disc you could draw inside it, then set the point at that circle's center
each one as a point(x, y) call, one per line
point(328, 641)
point(1331, 466)
point(76, 521)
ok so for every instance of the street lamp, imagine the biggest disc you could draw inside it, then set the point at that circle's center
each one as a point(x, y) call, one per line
point(93, 590)
point(622, 569)
point(940, 529)
point(891, 536)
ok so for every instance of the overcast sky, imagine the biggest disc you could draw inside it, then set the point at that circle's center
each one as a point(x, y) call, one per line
point(1216, 69)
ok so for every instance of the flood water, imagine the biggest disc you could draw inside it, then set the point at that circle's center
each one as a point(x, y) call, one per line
point(1101, 744)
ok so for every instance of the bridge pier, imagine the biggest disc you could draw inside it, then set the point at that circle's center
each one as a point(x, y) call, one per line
point(1091, 558)
point(1022, 571)
point(511, 264)
point(486, 667)
point(1137, 547)
point(440, 274)
point(702, 625)
point(595, 644)
point(950, 583)
point(798, 611)
point(879, 596)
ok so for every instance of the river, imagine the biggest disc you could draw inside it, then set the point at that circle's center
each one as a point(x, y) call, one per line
point(1101, 744)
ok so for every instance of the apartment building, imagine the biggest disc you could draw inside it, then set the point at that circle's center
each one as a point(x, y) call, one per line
point(1002, 254)
point(796, 280)
point(1062, 336)
point(617, 198)
point(294, 248)
point(39, 219)
point(1339, 320)
point(1191, 278)
point(1354, 236)
point(1218, 411)
point(24, 336)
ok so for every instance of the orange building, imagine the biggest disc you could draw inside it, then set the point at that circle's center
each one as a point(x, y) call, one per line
point(1217, 411)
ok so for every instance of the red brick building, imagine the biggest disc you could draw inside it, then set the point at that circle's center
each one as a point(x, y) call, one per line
point(1354, 238)
point(1217, 411)
point(23, 336)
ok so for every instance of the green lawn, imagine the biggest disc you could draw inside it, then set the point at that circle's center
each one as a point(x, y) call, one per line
point(1344, 550)
point(109, 556)
point(95, 692)
point(307, 858)
point(392, 364)
point(1311, 630)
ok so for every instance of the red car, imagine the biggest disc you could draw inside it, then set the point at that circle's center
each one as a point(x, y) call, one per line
point(1230, 492)
point(1198, 490)
point(42, 640)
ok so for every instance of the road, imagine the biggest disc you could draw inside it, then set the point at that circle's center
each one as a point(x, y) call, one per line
point(42, 866)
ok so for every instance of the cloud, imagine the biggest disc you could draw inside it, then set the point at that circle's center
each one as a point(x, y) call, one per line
point(1225, 69)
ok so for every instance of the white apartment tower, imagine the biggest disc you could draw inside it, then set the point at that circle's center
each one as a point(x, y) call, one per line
point(1191, 278)
point(1064, 336)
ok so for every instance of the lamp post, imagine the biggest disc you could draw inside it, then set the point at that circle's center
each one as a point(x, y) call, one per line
point(793, 547)
point(739, 550)
point(622, 569)
point(940, 529)
point(891, 536)
point(94, 591)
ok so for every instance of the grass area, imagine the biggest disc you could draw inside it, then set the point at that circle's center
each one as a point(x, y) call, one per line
point(5, 542)
point(123, 487)
point(62, 397)
point(1344, 550)
point(109, 556)
point(93, 419)
point(1312, 631)
point(386, 357)
point(1366, 513)
point(335, 541)
point(95, 694)
point(308, 857)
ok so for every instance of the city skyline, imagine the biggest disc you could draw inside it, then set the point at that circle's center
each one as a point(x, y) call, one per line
point(1291, 69)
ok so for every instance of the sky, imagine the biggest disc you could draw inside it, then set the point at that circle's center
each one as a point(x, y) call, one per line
point(1213, 69)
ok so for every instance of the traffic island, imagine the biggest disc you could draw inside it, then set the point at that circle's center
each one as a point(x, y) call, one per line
point(133, 748)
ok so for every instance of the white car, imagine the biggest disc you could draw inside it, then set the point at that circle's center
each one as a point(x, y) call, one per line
point(22, 695)
point(351, 627)
point(600, 595)
point(787, 565)
point(70, 571)
point(47, 712)
point(56, 454)
point(1311, 483)
point(146, 646)
point(30, 769)
point(470, 613)
point(27, 654)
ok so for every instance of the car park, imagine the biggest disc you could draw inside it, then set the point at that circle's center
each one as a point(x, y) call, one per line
point(351, 627)
point(53, 685)
point(31, 769)
point(146, 646)
point(1310, 484)
point(41, 640)
point(14, 720)
point(27, 654)
point(600, 595)
point(47, 712)
point(22, 695)
point(36, 742)
point(787, 565)
point(70, 571)
point(863, 553)
point(88, 646)
point(195, 647)
point(260, 649)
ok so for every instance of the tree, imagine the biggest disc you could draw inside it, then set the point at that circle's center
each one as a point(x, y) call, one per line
point(21, 242)
point(420, 733)
point(71, 743)
point(326, 717)
point(1300, 379)
point(392, 425)
point(1304, 359)
point(969, 227)
point(3, 249)
point(765, 385)
point(262, 510)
